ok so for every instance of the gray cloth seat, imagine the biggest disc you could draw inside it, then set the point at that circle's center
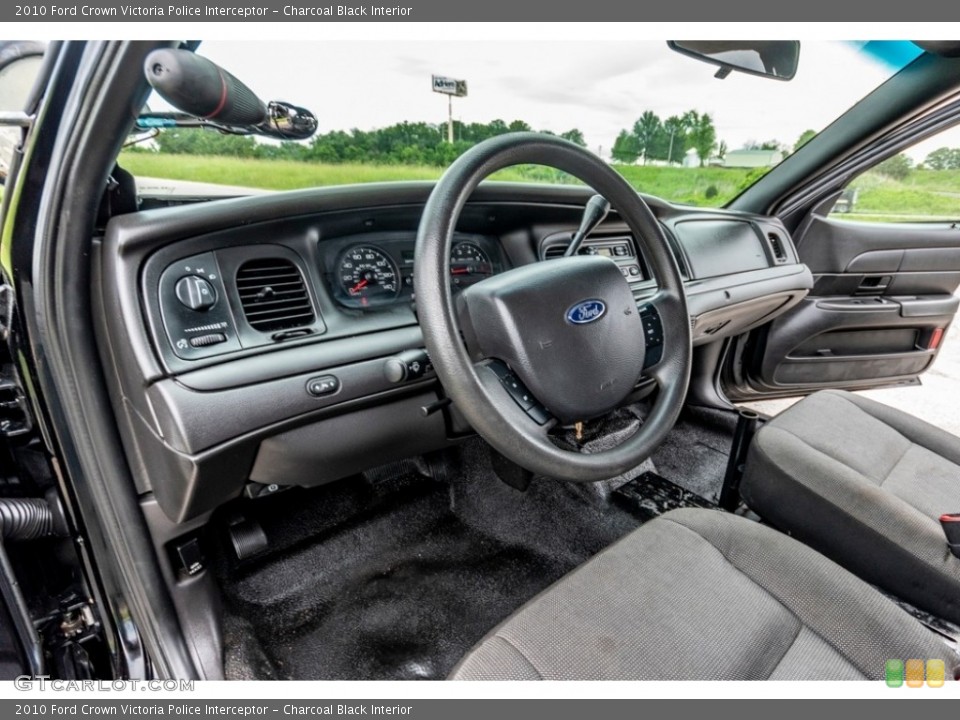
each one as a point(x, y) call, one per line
point(703, 595)
point(864, 484)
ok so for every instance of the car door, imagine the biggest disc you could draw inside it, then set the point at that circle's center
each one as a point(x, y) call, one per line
point(885, 255)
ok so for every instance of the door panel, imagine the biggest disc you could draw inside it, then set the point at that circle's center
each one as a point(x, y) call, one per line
point(883, 298)
point(829, 246)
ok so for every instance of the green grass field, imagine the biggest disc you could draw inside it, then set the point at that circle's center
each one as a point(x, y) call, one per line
point(266, 174)
point(677, 184)
point(923, 195)
point(709, 186)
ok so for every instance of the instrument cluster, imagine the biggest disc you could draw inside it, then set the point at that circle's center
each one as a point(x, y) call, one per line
point(369, 272)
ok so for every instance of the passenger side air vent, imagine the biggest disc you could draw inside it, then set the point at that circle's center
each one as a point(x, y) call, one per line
point(776, 245)
point(273, 295)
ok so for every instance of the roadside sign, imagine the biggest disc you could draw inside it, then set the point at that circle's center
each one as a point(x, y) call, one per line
point(449, 86)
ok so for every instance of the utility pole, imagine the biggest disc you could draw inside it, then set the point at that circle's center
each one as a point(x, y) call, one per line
point(450, 119)
point(451, 88)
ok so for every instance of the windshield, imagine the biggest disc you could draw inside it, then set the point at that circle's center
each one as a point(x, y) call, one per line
point(667, 124)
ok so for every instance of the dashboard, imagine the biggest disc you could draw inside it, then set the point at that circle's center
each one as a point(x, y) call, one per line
point(272, 341)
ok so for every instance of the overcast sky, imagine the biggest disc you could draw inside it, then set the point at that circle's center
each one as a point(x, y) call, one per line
point(599, 87)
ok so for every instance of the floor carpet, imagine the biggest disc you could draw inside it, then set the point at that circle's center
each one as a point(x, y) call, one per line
point(395, 574)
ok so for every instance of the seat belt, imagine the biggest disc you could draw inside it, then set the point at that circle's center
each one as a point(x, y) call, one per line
point(950, 522)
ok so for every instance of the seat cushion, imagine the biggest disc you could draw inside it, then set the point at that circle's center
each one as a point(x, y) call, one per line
point(703, 595)
point(864, 484)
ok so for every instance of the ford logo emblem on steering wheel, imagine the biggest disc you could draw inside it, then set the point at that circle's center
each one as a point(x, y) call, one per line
point(586, 311)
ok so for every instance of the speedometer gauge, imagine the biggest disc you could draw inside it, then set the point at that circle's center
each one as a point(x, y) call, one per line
point(367, 276)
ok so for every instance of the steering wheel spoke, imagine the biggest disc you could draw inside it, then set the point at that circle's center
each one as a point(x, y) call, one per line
point(659, 316)
point(513, 397)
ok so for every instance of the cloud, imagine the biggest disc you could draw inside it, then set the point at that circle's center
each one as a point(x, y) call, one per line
point(599, 87)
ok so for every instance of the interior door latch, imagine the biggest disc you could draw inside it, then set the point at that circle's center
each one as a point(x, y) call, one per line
point(873, 284)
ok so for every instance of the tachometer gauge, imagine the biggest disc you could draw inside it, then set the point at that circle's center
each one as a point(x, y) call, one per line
point(469, 264)
point(367, 276)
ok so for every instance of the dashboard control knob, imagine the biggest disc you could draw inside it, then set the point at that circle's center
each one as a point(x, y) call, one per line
point(207, 340)
point(408, 365)
point(196, 293)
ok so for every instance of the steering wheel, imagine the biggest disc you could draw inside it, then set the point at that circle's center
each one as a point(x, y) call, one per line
point(552, 342)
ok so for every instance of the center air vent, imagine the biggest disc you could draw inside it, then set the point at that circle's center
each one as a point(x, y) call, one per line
point(273, 295)
point(556, 250)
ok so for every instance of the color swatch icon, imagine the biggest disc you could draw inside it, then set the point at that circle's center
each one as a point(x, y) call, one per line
point(913, 672)
point(893, 671)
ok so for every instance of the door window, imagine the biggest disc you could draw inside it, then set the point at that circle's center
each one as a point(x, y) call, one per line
point(921, 184)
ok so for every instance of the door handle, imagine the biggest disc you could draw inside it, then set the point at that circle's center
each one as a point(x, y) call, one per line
point(873, 284)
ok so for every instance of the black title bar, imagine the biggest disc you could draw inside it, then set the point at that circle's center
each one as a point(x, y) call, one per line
point(485, 11)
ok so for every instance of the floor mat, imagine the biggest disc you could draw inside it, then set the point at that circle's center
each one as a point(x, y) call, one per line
point(695, 452)
point(395, 575)
point(650, 496)
point(400, 590)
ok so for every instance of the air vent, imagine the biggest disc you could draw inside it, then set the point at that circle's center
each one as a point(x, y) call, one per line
point(556, 250)
point(620, 248)
point(776, 245)
point(273, 295)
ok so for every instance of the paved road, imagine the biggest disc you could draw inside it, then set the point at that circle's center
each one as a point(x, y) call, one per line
point(937, 400)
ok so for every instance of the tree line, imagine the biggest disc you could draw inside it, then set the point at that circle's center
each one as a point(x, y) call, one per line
point(667, 140)
point(900, 166)
point(421, 143)
point(943, 159)
point(406, 143)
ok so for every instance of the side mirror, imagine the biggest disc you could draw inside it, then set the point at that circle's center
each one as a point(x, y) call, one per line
point(775, 59)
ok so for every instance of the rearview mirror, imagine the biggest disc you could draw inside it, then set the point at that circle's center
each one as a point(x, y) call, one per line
point(776, 59)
